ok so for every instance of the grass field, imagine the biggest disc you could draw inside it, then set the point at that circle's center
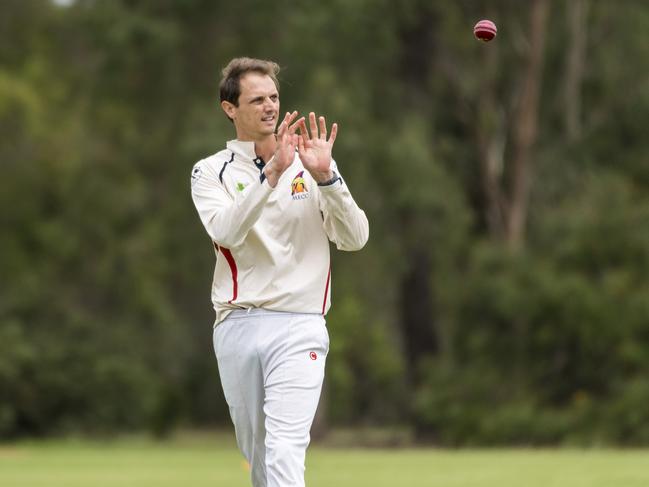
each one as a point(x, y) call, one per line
point(213, 461)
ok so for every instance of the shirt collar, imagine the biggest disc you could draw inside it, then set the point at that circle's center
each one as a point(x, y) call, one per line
point(243, 149)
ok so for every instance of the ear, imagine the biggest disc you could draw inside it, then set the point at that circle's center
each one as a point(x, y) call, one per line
point(229, 109)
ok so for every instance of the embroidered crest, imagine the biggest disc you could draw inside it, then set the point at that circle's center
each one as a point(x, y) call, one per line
point(299, 190)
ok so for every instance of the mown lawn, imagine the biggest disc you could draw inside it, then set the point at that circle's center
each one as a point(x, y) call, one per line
point(212, 460)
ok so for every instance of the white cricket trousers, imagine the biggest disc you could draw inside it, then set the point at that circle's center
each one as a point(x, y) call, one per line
point(272, 367)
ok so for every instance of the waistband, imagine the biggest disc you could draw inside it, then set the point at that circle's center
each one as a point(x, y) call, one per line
point(245, 313)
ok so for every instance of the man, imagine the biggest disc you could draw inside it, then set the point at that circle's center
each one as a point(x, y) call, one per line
point(270, 203)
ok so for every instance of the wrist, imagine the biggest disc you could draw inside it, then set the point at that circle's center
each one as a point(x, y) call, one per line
point(323, 176)
point(270, 174)
point(334, 178)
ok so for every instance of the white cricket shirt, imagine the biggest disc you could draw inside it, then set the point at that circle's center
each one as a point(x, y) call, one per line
point(272, 244)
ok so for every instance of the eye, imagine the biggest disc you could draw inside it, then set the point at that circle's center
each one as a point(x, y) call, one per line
point(274, 97)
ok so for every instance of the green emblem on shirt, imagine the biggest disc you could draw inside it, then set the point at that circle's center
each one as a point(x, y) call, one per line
point(241, 186)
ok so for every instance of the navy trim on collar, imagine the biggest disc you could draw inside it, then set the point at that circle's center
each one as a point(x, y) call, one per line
point(259, 162)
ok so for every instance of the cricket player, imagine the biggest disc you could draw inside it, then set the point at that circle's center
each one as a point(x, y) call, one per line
point(271, 201)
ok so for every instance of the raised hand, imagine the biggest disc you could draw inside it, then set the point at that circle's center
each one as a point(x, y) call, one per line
point(315, 150)
point(285, 151)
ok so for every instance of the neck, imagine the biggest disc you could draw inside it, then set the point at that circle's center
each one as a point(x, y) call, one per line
point(266, 147)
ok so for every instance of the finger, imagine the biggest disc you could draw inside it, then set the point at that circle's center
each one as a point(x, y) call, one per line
point(323, 128)
point(290, 117)
point(287, 119)
point(300, 145)
point(303, 130)
point(334, 132)
point(295, 125)
point(280, 129)
point(314, 127)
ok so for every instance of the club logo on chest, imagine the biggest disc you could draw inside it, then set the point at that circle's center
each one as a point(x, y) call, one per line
point(298, 187)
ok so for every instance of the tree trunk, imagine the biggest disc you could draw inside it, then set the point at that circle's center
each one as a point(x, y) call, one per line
point(574, 71)
point(525, 127)
point(490, 135)
point(417, 313)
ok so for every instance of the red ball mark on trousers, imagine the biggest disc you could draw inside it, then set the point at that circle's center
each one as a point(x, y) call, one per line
point(313, 356)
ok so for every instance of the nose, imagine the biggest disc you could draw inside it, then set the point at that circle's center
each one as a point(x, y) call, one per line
point(269, 104)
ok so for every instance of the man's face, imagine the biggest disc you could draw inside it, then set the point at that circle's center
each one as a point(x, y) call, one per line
point(256, 116)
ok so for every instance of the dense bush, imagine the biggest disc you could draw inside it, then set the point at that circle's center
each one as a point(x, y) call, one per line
point(440, 323)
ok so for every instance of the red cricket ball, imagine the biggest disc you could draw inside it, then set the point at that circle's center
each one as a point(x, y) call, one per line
point(485, 30)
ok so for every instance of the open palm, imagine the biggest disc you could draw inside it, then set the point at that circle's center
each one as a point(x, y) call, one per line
point(285, 150)
point(286, 141)
point(314, 148)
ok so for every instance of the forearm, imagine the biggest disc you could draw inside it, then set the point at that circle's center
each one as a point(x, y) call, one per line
point(344, 222)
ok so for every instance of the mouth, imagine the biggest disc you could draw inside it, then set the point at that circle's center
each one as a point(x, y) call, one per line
point(268, 119)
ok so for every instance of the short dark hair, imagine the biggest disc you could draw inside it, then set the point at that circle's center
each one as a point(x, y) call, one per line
point(230, 87)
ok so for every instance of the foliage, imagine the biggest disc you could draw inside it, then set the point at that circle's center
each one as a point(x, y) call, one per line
point(105, 319)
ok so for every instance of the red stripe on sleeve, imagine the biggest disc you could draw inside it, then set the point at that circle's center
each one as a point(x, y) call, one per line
point(324, 302)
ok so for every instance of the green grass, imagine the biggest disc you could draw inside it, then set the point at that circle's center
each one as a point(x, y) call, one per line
point(212, 460)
